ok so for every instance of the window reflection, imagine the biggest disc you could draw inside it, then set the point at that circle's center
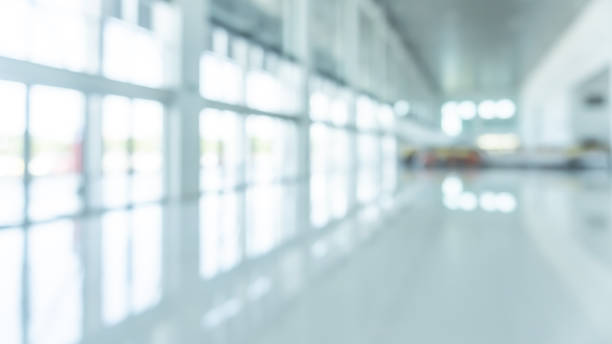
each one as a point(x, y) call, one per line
point(11, 266)
point(115, 285)
point(221, 135)
point(56, 127)
point(131, 262)
point(56, 284)
point(146, 258)
point(264, 211)
point(12, 128)
point(220, 246)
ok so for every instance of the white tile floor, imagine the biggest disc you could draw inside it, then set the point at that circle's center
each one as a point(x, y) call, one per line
point(481, 257)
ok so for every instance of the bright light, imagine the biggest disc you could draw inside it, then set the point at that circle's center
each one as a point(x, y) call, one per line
point(451, 120)
point(452, 186)
point(487, 109)
point(506, 203)
point(468, 201)
point(467, 110)
point(452, 124)
point(488, 202)
point(386, 116)
point(506, 109)
point(450, 109)
point(402, 108)
point(498, 142)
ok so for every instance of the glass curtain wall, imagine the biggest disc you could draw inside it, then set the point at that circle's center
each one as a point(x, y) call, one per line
point(98, 148)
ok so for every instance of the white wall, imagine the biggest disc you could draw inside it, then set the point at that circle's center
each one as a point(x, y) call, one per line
point(545, 96)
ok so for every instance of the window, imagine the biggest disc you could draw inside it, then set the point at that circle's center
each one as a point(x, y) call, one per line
point(272, 149)
point(329, 102)
point(221, 149)
point(330, 173)
point(221, 79)
point(368, 181)
point(62, 34)
point(386, 117)
point(366, 113)
point(133, 54)
point(390, 158)
point(273, 84)
point(56, 129)
point(132, 158)
point(12, 129)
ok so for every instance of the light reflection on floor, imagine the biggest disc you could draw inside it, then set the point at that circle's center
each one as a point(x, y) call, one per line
point(478, 257)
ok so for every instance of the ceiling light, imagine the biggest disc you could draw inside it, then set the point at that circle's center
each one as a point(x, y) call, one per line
point(487, 109)
point(467, 110)
point(506, 109)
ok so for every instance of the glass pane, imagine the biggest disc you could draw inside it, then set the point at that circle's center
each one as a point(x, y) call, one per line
point(56, 285)
point(368, 177)
point(390, 158)
point(11, 265)
point(147, 157)
point(220, 244)
point(366, 116)
point(319, 200)
point(148, 136)
point(55, 196)
point(221, 79)
point(340, 113)
point(221, 150)
point(319, 143)
point(147, 187)
point(272, 152)
point(14, 26)
point(64, 40)
point(115, 190)
point(386, 117)
point(116, 127)
point(132, 54)
point(264, 91)
point(12, 128)
point(56, 127)
point(339, 195)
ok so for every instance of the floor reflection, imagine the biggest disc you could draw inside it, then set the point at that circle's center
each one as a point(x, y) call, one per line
point(500, 257)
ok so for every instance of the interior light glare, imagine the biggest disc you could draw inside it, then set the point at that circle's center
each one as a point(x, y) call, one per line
point(467, 110)
point(487, 109)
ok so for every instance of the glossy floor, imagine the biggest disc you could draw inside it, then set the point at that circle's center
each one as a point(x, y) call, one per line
point(479, 257)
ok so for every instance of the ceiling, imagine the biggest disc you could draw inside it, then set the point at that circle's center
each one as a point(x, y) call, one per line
point(480, 47)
